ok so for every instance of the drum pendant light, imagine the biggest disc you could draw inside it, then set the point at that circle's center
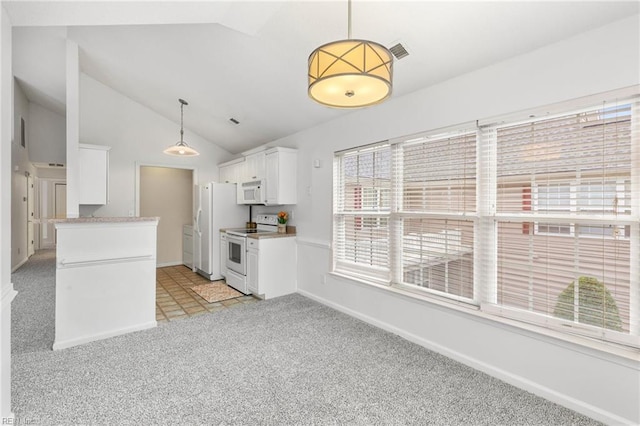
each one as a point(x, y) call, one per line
point(350, 73)
point(181, 149)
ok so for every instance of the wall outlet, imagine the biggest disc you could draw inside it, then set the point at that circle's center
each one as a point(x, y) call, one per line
point(130, 213)
point(324, 279)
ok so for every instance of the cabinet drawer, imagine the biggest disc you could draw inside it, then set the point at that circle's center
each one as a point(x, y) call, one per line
point(251, 243)
point(187, 243)
point(187, 259)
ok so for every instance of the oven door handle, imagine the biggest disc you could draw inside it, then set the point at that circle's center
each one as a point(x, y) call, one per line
point(235, 238)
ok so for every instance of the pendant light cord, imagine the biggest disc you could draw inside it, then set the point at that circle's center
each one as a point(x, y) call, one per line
point(349, 20)
point(181, 122)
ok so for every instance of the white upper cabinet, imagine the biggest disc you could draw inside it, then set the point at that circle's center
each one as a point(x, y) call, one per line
point(248, 168)
point(254, 166)
point(281, 169)
point(277, 166)
point(231, 171)
point(93, 173)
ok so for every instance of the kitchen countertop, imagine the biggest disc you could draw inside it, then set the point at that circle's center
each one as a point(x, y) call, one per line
point(291, 232)
point(103, 219)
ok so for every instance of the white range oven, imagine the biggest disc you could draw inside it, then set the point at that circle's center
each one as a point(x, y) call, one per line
point(237, 250)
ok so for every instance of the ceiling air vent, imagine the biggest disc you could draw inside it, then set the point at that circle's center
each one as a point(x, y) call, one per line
point(399, 51)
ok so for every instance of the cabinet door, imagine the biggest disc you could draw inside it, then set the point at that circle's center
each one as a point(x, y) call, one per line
point(224, 253)
point(252, 271)
point(226, 174)
point(187, 246)
point(255, 166)
point(272, 177)
point(93, 168)
point(187, 257)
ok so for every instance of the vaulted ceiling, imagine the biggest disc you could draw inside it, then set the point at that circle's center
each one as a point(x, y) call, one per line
point(247, 60)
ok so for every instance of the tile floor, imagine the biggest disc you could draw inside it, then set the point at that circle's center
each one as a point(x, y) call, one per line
point(176, 300)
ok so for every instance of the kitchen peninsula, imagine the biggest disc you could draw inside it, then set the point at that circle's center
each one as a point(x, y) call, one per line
point(105, 278)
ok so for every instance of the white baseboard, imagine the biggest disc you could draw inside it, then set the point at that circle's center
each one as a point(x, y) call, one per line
point(86, 339)
point(6, 297)
point(165, 264)
point(22, 262)
point(517, 381)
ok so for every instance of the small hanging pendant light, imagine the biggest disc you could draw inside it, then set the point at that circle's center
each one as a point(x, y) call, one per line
point(181, 149)
point(350, 73)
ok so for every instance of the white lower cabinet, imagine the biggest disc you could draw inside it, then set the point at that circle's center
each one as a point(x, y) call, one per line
point(105, 278)
point(224, 253)
point(187, 246)
point(253, 260)
point(271, 266)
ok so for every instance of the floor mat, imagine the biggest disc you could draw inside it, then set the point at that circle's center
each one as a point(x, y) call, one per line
point(215, 292)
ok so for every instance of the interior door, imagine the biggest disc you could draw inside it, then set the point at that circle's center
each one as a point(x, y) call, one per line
point(30, 216)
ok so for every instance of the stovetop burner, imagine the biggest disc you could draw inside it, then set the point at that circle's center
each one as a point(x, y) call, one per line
point(266, 223)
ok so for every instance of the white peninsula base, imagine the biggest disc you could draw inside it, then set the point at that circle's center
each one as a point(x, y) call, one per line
point(105, 278)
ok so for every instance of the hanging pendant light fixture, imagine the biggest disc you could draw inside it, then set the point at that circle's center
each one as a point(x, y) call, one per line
point(181, 149)
point(350, 73)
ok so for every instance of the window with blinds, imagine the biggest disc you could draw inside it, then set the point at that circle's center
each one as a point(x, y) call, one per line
point(437, 188)
point(564, 219)
point(537, 221)
point(361, 212)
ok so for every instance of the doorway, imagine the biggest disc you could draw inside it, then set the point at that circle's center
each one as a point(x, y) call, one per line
point(60, 200)
point(52, 204)
point(167, 193)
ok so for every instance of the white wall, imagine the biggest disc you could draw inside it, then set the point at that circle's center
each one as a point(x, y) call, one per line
point(6, 288)
point(47, 135)
point(19, 166)
point(45, 142)
point(136, 134)
point(598, 384)
point(72, 125)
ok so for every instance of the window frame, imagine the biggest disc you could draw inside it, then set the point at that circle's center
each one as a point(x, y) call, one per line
point(573, 206)
point(344, 264)
point(486, 217)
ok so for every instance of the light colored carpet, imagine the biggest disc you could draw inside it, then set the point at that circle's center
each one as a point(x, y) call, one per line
point(216, 292)
point(284, 361)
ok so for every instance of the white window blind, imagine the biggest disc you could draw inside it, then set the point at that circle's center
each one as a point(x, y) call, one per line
point(437, 191)
point(564, 220)
point(361, 212)
point(439, 174)
point(537, 220)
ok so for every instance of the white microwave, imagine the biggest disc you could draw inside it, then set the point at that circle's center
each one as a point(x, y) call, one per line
point(252, 192)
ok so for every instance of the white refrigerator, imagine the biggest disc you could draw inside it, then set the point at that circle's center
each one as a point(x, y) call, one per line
point(217, 208)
